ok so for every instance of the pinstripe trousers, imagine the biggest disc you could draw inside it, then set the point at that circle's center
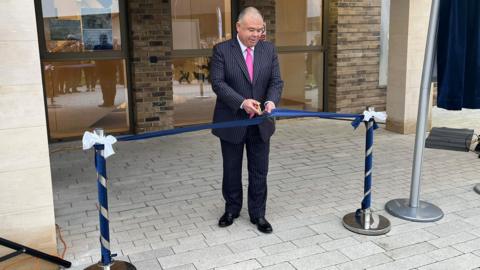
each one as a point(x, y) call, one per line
point(257, 160)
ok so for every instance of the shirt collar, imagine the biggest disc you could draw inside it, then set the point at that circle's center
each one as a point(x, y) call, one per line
point(242, 46)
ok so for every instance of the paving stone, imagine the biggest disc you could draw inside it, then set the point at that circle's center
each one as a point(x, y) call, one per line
point(194, 257)
point(444, 253)
point(245, 265)
point(318, 261)
point(452, 239)
point(466, 261)
point(151, 264)
point(252, 243)
point(183, 267)
point(412, 262)
point(405, 239)
point(412, 250)
point(361, 250)
point(339, 243)
point(280, 266)
point(366, 262)
point(279, 248)
point(290, 255)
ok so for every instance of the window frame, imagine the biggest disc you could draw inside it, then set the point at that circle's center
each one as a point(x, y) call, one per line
point(122, 54)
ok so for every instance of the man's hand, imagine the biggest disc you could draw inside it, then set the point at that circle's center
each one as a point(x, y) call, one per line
point(252, 107)
point(269, 106)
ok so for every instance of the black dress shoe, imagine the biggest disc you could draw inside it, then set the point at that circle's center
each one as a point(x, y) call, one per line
point(262, 224)
point(227, 219)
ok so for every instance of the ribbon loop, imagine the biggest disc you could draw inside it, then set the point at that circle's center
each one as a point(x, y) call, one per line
point(370, 114)
point(90, 139)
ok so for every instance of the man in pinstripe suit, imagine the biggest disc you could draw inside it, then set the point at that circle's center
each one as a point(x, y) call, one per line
point(246, 78)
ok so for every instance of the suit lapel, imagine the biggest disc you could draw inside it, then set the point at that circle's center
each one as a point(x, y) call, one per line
point(237, 53)
point(257, 59)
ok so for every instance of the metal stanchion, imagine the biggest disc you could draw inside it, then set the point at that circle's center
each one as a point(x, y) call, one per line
point(413, 209)
point(106, 262)
point(477, 188)
point(364, 221)
point(477, 150)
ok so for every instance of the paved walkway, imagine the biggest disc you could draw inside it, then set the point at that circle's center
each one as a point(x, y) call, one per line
point(165, 198)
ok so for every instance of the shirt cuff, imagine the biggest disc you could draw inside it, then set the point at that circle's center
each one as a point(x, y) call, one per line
point(241, 105)
point(268, 101)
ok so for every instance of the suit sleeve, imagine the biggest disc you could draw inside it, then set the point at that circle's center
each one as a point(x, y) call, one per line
point(275, 86)
point(224, 92)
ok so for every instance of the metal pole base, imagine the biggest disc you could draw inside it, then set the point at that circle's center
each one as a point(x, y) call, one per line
point(425, 212)
point(366, 222)
point(115, 265)
point(477, 188)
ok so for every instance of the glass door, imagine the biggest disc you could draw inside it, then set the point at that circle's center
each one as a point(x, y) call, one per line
point(196, 27)
point(298, 37)
point(83, 52)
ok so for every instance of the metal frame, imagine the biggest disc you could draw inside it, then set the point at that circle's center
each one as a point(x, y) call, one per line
point(122, 54)
point(325, 26)
point(413, 209)
point(280, 49)
point(21, 249)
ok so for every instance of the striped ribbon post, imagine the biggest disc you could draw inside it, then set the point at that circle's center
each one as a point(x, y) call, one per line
point(100, 166)
point(106, 262)
point(367, 188)
point(364, 221)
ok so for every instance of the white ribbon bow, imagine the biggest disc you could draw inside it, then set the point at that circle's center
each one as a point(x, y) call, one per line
point(381, 116)
point(90, 139)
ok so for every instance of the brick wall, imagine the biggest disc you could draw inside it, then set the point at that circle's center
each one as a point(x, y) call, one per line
point(151, 36)
point(353, 56)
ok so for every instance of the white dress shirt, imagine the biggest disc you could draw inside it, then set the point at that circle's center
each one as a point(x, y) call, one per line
point(244, 52)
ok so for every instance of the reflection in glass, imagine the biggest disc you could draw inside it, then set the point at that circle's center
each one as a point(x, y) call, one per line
point(298, 23)
point(81, 25)
point(200, 24)
point(193, 98)
point(82, 95)
point(302, 74)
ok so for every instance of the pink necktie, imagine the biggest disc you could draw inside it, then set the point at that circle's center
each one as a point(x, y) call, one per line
point(249, 62)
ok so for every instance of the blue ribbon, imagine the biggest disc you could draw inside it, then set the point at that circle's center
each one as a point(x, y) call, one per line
point(357, 119)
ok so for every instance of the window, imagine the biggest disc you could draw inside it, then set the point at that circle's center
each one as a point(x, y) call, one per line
point(196, 27)
point(77, 26)
point(84, 66)
point(200, 24)
point(298, 37)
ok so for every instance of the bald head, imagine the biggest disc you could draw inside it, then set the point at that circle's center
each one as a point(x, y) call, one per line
point(249, 12)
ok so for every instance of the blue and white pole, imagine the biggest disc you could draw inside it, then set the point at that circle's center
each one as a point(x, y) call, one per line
point(364, 221)
point(100, 166)
point(106, 262)
point(367, 188)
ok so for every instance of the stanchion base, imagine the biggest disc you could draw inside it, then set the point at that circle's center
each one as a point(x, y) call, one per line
point(202, 96)
point(116, 265)
point(477, 188)
point(425, 212)
point(366, 223)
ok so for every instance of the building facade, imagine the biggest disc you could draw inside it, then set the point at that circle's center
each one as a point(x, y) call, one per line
point(140, 65)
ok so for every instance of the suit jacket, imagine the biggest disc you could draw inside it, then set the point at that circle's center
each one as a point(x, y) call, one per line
point(232, 85)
